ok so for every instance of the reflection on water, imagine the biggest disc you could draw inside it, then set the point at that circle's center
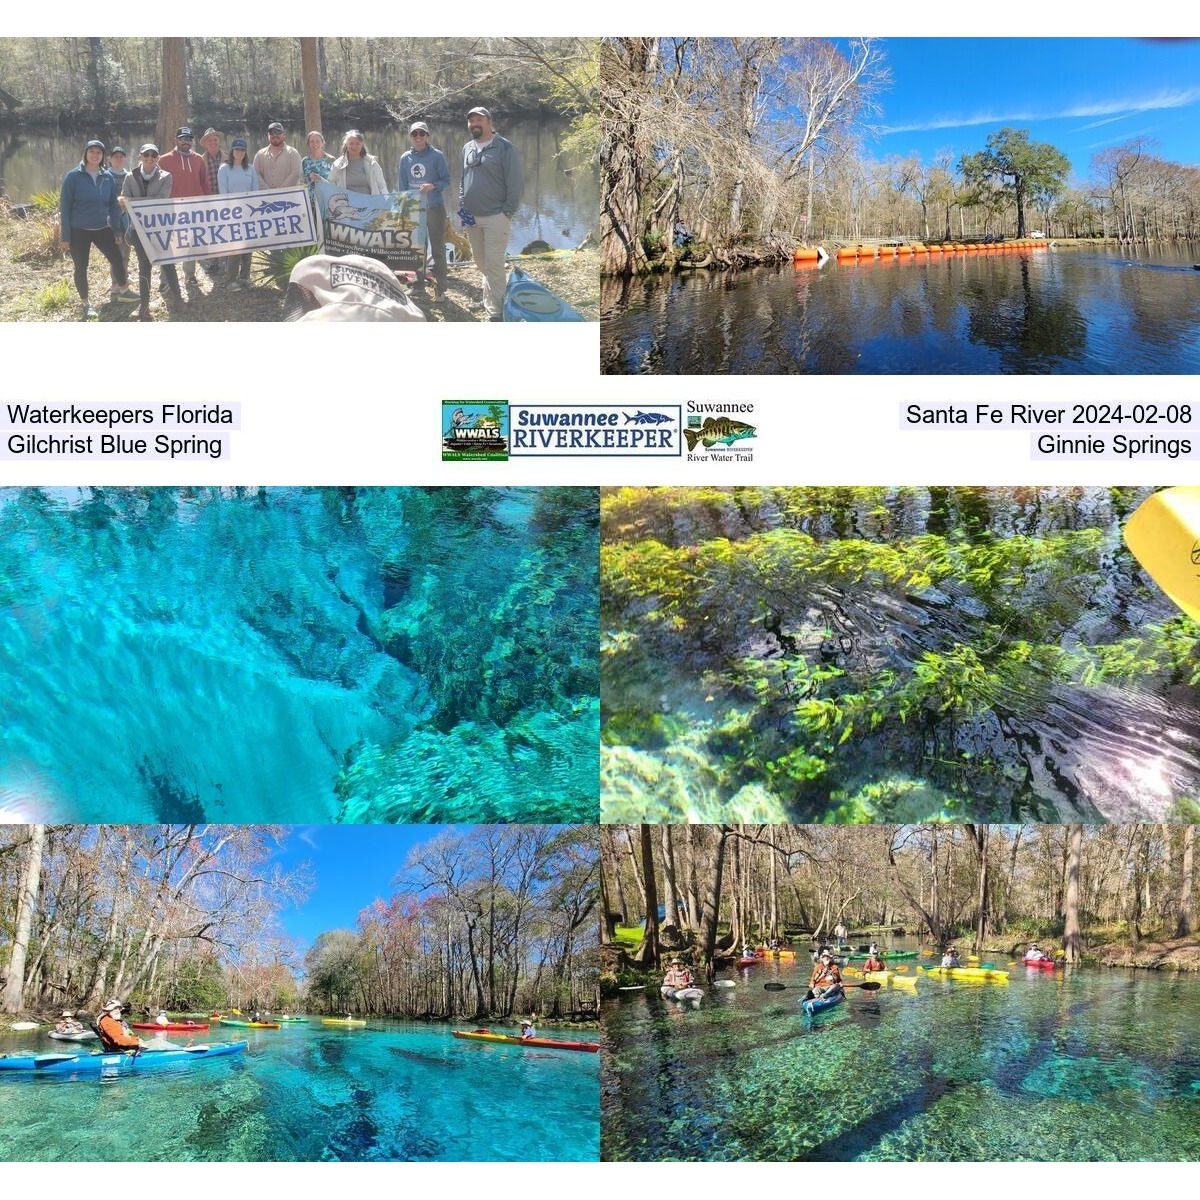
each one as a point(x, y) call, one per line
point(1071, 311)
point(392, 1092)
point(560, 203)
point(1093, 1066)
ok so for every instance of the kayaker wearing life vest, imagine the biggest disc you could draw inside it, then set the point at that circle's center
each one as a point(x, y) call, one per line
point(114, 1033)
point(677, 976)
point(527, 1030)
point(874, 962)
point(826, 980)
point(1035, 953)
point(951, 959)
point(67, 1023)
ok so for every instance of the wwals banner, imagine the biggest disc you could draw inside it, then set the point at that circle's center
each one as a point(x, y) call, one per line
point(390, 228)
point(211, 226)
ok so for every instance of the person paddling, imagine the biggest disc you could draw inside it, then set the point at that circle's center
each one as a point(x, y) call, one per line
point(527, 1030)
point(67, 1023)
point(874, 962)
point(826, 981)
point(115, 1035)
point(950, 959)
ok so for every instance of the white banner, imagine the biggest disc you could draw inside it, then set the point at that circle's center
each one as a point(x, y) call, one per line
point(175, 230)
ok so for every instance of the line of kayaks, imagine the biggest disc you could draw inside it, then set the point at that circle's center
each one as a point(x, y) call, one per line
point(486, 1035)
point(107, 1066)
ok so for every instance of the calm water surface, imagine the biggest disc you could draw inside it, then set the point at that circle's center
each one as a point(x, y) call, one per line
point(390, 1092)
point(1068, 311)
point(1098, 1065)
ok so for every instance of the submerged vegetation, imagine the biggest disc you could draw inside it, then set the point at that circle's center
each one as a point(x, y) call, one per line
point(874, 654)
point(419, 654)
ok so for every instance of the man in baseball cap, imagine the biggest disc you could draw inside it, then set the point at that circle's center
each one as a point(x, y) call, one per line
point(277, 164)
point(423, 170)
point(189, 177)
point(489, 195)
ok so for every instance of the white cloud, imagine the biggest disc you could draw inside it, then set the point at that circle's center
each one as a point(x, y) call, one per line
point(1123, 107)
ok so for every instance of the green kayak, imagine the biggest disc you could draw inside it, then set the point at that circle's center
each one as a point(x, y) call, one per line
point(886, 954)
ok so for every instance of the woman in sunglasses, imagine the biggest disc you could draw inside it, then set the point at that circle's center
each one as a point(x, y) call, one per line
point(148, 181)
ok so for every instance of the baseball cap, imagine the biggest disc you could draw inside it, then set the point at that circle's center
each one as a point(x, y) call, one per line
point(350, 287)
point(275, 127)
point(418, 125)
point(117, 150)
point(184, 132)
point(148, 147)
point(482, 111)
point(92, 143)
point(238, 144)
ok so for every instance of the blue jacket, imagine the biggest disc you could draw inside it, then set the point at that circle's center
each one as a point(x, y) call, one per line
point(87, 205)
point(425, 166)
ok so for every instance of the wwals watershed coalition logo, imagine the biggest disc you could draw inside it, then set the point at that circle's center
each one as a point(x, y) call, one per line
point(474, 430)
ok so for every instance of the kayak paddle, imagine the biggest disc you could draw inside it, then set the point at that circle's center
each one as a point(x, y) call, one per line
point(1162, 533)
point(866, 987)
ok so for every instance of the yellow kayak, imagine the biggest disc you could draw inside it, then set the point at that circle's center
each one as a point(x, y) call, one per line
point(987, 974)
point(342, 1021)
point(891, 979)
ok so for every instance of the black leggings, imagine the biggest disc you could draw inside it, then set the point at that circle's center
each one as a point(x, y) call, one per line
point(105, 241)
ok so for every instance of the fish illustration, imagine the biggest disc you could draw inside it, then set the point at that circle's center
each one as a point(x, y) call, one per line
point(718, 429)
point(273, 206)
point(645, 418)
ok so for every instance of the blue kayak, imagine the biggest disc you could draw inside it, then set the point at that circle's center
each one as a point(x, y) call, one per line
point(813, 1007)
point(527, 300)
point(108, 1066)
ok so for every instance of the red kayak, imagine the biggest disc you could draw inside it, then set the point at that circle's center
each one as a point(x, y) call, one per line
point(174, 1027)
point(749, 962)
point(1045, 964)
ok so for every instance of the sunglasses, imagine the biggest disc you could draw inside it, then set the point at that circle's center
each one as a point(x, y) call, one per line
point(419, 133)
point(148, 154)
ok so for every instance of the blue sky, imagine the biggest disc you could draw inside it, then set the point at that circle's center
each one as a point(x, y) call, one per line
point(1081, 94)
point(353, 865)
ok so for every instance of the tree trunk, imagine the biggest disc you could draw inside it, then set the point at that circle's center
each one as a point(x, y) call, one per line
point(980, 835)
point(27, 894)
point(312, 85)
point(670, 888)
point(172, 111)
point(712, 899)
point(630, 65)
point(1183, 927)
point(1072, 937)
point(648, 954)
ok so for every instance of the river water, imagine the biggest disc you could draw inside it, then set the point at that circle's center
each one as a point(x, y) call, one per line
point(390, 1092)
point(796, 588)
point(296, 654)
point(1080, 1065)
point(1073, 310)
point(561, 199)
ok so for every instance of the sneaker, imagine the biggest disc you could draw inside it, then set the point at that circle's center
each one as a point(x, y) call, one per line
point(87, 312)
point(128, 295)
point(439, 295)
point(143, 313)
point(114, 291)
point(236, 286)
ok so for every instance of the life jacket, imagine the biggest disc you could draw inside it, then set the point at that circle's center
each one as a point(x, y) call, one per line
point(825, 976)
point(874, 964)
point(112, 1035)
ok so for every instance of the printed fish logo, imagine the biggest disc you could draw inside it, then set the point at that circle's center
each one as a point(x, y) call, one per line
point(273, 206)
point(644, 418)
point(718, 429)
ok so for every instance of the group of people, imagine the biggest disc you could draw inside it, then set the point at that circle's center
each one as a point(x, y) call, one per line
point(93, 195)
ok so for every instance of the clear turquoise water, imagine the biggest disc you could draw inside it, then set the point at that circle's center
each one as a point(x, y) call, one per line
point(1098, 1065)
point(390, 1092)
point(296, 654)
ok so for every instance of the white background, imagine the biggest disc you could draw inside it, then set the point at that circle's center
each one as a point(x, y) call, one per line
point(306, 421)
